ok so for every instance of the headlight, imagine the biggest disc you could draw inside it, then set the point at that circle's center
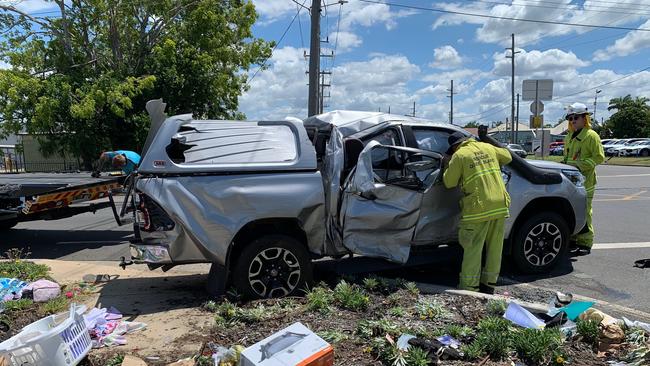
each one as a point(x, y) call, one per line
point(575, 177)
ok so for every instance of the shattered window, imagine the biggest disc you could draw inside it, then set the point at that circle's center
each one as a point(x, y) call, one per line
point(432, 139)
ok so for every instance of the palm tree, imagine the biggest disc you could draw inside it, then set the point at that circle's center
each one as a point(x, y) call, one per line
point(627, 101)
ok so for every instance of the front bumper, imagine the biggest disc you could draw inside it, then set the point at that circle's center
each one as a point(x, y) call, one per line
point(150, 254)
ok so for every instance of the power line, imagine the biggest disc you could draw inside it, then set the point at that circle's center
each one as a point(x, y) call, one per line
point(604, 84)
point(502, 18)
point(276, 45)
point(609, 11)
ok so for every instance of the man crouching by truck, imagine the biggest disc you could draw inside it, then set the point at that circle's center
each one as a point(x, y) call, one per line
point(476, 168)
point(125, 160)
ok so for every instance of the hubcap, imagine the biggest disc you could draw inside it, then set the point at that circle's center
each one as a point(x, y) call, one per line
point(542, 244)
point(274, 272)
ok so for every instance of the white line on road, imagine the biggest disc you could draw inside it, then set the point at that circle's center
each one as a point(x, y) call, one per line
point(622, 245)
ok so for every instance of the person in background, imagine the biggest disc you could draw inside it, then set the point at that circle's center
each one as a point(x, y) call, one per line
point(476, 168)
point(125, 160)
point(582, 149)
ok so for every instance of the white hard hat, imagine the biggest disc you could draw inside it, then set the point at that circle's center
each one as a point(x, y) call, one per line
point(576, 108)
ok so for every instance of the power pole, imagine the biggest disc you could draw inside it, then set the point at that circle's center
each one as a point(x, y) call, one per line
point(596, 103)
point(313, 103)
point(413, 115)
point(512, 105)
point(517, 128)
point(451, 97)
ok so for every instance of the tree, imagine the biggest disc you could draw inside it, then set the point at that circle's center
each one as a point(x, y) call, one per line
point(81, 79)
point(472, 124)
point(632, 117)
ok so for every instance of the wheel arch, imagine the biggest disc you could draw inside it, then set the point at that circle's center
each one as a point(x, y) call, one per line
point(557, 205)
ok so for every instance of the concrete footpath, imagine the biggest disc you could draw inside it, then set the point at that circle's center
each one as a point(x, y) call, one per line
point(169, 303)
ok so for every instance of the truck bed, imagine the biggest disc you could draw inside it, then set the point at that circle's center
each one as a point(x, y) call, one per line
point(29, 184)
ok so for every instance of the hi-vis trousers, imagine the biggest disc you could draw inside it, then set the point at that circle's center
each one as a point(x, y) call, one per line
point(472, 237)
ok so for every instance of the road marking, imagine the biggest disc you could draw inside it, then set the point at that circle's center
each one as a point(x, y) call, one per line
point(624, 176)
point(627, 198)
point(622, 245)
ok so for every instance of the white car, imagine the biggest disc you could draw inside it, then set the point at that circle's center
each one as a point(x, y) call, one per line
point(639, 148)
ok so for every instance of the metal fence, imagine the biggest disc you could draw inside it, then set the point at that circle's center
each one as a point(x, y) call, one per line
point(12, 160)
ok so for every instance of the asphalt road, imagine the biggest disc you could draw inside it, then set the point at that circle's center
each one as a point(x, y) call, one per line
point(621, 211)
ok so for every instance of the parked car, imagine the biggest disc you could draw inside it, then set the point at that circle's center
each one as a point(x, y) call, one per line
point(556, 148)
point(260, 200)
point(639, 148)
point(615, 150)
point(517, 149)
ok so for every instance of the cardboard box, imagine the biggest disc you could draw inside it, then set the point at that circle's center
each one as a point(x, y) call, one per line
point(294, 345)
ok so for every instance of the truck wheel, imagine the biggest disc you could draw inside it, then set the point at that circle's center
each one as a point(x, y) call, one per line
point(272, 266)
point(540, 242)
point(8, 224)
point(644, 153)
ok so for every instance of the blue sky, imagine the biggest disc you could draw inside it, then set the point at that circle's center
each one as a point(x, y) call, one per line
point(394, 56)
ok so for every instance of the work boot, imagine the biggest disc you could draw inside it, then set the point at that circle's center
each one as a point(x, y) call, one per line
point(485, 289)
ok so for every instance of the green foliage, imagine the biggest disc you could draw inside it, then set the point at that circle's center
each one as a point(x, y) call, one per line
point(472, 351)
point(351, 297)
point(229, 314)
point(412, 288)
point(588, 330)
point(430, 309)
point(378, 328)
point(54, 306)
point(333, 336)
point(458, 331)
point(632, 117)
point(496, 308)
point(416, 356)
point(397, 311)
point(535, 346)
point(115, 360)
point(82, 81)
point(16, 267)
point(17, 305)
point(370, 283)
point(493, 338)
point(320, 299)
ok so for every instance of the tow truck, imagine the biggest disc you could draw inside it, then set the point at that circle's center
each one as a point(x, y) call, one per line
point(53, 196)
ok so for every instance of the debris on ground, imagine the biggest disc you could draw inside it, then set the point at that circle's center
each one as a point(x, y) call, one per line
point(522, 317)
point(107, 328)
point(132, 361)
point(42, 290)
point(11, 289)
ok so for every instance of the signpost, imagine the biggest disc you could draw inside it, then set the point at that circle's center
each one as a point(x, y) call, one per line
point(537, 90)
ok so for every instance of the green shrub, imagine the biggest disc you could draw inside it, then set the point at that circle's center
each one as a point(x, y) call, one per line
point(371, 283)
point(351, 297)
point(416, 356)
point(17, 305)
point(54, 306)
point(397, 311)
point(496, 307)
point(536, 346)
point(493, 338)
point(320, 299)
point(412, 287)
point(378, 328)
point(473, 351)
point(115, 360)
point(333, 336)
point(23, 270)
point(588, 330)
point(458, 331)
point(430, 309)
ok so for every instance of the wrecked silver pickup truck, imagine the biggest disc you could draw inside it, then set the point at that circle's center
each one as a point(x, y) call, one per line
point(261, 200)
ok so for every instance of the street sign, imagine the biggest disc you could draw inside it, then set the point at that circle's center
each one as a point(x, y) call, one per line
point(537, 108)
point(537, 89)
point(536, 121)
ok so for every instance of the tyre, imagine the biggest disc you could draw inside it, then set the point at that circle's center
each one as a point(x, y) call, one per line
point(540, 242)
point(7, 224)
point(645, 153)
point(272, 266)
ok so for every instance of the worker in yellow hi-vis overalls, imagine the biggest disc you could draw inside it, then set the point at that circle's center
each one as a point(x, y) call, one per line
point(583, 149)
point(476, 168)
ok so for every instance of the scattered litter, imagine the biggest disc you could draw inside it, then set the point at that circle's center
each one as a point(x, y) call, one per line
point(436, 348)
point(553, 321)
point(569, 329)
point(133, 361)
point(642, 263)
point(91, 278)
point(227, 357)
point(107, 328)
point(57, 340)
point(522, 317)
point(610, 339)
point(636, 324)
point(598, 316)
point(403, 341)
point(11, 289)
point(183, 362)
point(42, 290)
point(562, 299)
point(574, 309)
point(448, 341)
point(293, 345)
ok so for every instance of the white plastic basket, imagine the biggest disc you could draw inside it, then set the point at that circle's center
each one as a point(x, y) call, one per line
point(57, 340)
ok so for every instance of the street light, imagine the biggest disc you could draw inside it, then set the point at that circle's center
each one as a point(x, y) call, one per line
point(596, 103)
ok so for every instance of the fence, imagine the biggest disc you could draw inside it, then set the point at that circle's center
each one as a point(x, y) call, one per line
point(12, 160)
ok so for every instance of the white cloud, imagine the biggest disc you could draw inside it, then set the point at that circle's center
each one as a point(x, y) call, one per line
point(446, 57)
point(632, 43)
point(346, 41)
point(538, 64)
point(271, 10)
point(366, 15)
point(279, 91)
point(492, 30)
